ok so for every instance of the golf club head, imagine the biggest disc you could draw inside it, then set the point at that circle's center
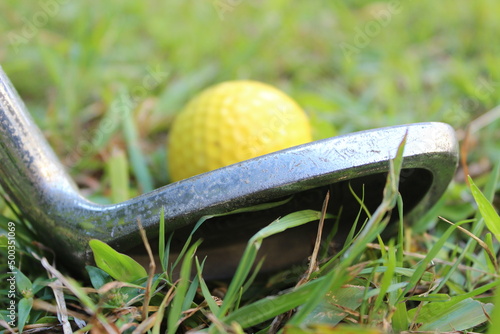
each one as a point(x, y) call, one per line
point(34, 178)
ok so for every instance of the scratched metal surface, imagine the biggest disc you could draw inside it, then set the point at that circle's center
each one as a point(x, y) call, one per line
point(36, 181)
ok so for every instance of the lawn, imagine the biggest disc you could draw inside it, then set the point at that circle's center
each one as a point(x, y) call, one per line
point(351, 65)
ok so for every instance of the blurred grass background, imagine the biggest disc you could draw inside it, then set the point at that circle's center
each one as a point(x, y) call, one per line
point(351, 65)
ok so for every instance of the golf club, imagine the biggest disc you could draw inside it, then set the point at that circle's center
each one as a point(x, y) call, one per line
point(36, 181)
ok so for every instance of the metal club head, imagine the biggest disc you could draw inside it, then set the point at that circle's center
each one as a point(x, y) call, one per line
point(34, 178)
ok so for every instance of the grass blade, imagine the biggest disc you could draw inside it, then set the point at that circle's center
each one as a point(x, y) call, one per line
point(495, 314)
point(269, 307)
point(289, 221)
point(212, 305)
point(332, 308)
point(375, 225)
point(117, 170)
point(400, 318)
point(181, 290)
point(423, 265)
point(490, 216)
point(119, 266)
point(202, 220)
point(23, 311)
point(248, 258)
point(388, 276)
point(163, 253)
point(137, 159)
point(452, 315)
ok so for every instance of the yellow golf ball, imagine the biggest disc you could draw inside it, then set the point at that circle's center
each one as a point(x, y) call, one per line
point(231, 122)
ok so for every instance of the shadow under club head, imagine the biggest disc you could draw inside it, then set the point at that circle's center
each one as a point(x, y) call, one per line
point(34, 178)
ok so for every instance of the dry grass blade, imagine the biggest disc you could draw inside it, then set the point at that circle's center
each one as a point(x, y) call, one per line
point(158, 315)
point(145, 325)
point(479, 241)
point(434, 332)
point(313, 263)
point(152, 270)
point(464, 153)
point(437, 261)
point(45, 328)
point(115, 285)
point(39, 304)
point(313, 266)
point(53, 272)
point(468, 139)
point(484, 120)
point(6, 325)
point(57, 286)
point(99, 322)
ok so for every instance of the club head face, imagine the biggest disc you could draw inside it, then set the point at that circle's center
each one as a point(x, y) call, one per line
point(356, 163)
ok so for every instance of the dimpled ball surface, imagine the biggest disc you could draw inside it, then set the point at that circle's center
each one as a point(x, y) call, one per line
point(231, 122)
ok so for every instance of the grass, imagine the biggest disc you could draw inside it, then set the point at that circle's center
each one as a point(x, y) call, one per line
point(352, 66)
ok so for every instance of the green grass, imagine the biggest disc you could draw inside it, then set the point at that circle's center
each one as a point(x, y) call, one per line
point(352, 66)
